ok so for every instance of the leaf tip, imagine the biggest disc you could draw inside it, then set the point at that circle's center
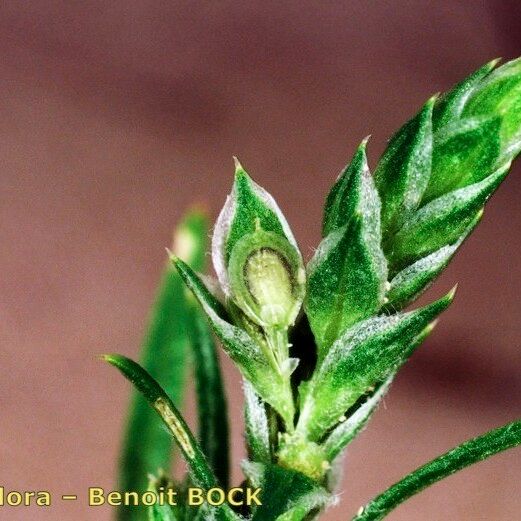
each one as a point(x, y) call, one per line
point(451, 294)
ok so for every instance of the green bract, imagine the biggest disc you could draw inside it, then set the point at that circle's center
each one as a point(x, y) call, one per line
point(386, 238)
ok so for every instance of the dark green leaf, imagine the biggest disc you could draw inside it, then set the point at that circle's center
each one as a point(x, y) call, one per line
point(367, 354)
point(163, 405)
point(450, 107)
point(464, 153)
point(344, 198)
point(458, 458)
point(288, 496)
point(273, 387)
point(247, 209)
point(441, 222)
point(402, 174)
point(347, 275)
point(412, 281)
point(211, 401)
point(147, 446)
point(500, 94)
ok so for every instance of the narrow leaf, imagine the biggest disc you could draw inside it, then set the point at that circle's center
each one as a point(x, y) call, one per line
point(159, 512)
point(468, 453)
point(344, 197)
point(347, 431)
point(147, 447)
point(347, 275)
point(273, 387)
point(403, 172)
point(464, 153)
point(211, 401)
point(500, 94)
point(412, 281)
point(288, 495)
point(163, 405)
point(257, 427)
point(367, 354)
point(441, 222)
point(450, 107)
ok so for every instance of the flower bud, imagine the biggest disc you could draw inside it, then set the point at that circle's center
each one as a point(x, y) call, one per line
point(267, 279)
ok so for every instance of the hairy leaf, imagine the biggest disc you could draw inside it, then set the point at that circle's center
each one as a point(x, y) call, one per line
point(441, 222)
point(243, 350)
point(288, 495)
point(347, 275)
point(464, 153)
point(257, 428)
point(248, 208)
point(366, 355)
point(346, 431)
point(403, 172)
point(458, 458)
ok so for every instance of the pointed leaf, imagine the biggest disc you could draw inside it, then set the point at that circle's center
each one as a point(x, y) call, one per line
point(273, 387)
point(441, 222)
point(247, 208)
point(500, 94)
point(466, 454)
point(211, 401)
point(288, 493)
point(163, 405)
point(412, 281)
point(403, 172)
point(347, 431)
point(464, 153)
point(347, 275)
point(257, 428)
point(450, 107)
point(367, 354)
point(147, 446)
point(159, 512)
point(344, 198)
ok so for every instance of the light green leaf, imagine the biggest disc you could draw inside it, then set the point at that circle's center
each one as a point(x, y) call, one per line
point(365, 355)
point(468, 453)
point(403, 172)
point(147, 446)
point(347, 275)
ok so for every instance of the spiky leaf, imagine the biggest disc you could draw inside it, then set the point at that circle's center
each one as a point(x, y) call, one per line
point(367, 354)
point(468, 453)
point(243, 350)
point(403, 172)
point(347, 275)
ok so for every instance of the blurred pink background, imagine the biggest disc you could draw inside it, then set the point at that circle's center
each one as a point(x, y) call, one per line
point(116, 116)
